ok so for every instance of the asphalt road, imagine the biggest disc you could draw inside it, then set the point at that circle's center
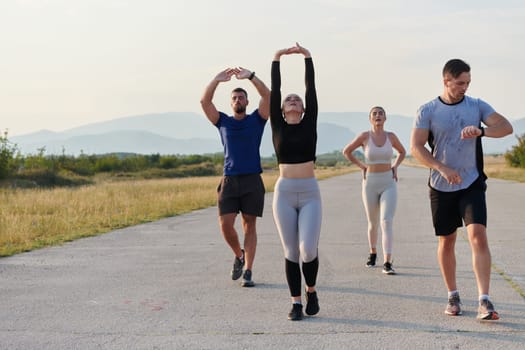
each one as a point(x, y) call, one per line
point(166, 284)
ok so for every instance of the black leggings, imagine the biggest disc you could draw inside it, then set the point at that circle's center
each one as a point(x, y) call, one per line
point(293, 275)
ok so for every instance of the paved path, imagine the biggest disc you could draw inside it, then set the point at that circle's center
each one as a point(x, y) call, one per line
point(166, 285)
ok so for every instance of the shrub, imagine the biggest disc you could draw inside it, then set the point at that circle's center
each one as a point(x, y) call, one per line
point(516, 156)
point(8, 161)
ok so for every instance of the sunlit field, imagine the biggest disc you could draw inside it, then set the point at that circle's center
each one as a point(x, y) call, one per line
point(496, 167)
point(34, 218)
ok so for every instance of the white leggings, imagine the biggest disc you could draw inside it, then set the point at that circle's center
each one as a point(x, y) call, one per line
point(380, 200)
point(297, 214)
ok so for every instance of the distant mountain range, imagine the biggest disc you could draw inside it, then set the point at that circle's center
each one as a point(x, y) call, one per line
point(192, 133)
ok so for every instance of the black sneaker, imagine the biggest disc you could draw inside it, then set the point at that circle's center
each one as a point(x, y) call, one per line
point(238, 264)
point(247, 279)
point(388, 269)
point(312, 303)
point(371, 260)
point(296, 313)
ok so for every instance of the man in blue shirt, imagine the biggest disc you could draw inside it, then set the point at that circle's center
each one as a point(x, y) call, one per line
point(452, 126)
point(241, 188)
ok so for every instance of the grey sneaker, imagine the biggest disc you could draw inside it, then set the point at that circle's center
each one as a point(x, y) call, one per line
point(238, 264)
point(454, 306)
point(388, 269)
point(371, 262)
point(247, 279)
point(486, 311)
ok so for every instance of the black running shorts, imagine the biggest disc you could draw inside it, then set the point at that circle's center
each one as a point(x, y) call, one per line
point(241, 193)
point(451, 209)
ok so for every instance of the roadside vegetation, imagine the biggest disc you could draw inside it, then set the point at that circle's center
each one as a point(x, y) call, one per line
point(35, 218)
point(49, 200)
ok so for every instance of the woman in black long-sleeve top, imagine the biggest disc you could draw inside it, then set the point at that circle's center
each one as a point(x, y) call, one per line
point(297, 200)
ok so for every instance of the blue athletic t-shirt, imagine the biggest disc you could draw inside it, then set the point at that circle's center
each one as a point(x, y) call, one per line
point(241, 140)
point(445, 122)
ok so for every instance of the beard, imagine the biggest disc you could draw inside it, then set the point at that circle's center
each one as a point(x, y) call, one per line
point(239, 109)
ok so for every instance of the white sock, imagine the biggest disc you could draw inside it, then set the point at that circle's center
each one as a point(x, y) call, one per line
point(452, 293)
point(483, 297)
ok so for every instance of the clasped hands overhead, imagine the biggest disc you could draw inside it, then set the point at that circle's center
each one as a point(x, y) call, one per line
point(228, 73)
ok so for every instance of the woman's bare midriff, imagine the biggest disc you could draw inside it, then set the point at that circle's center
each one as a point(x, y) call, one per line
point(297, 171)
point(378, 168)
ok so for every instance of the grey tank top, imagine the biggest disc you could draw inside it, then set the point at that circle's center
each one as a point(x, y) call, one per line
point(378, 155)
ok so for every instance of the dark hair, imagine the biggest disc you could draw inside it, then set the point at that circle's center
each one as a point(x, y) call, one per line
point(455, 67)
point(378, 107)
point(240, 90)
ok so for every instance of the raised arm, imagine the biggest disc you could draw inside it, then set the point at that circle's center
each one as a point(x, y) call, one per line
point(262, 89)
point(275, 93)
point(310, 95)
point(207, 98)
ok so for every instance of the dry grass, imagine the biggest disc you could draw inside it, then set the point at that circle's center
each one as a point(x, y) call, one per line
point(496, 167)
point(31, 219)
point(34, 218)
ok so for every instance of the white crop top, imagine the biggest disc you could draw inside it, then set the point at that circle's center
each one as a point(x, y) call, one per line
point(378, 155)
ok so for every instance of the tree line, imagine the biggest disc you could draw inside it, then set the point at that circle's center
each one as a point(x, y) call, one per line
point(62, 170)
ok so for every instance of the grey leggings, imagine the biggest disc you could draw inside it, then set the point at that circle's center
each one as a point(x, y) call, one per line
point(380, 200)
point(297, 214)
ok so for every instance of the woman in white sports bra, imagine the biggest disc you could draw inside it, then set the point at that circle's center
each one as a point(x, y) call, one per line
point(379, 182)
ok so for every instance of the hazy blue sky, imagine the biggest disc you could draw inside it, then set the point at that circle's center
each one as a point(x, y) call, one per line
point(66, 63)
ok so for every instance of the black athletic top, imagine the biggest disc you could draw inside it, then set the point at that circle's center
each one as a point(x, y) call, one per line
point(294, 143)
